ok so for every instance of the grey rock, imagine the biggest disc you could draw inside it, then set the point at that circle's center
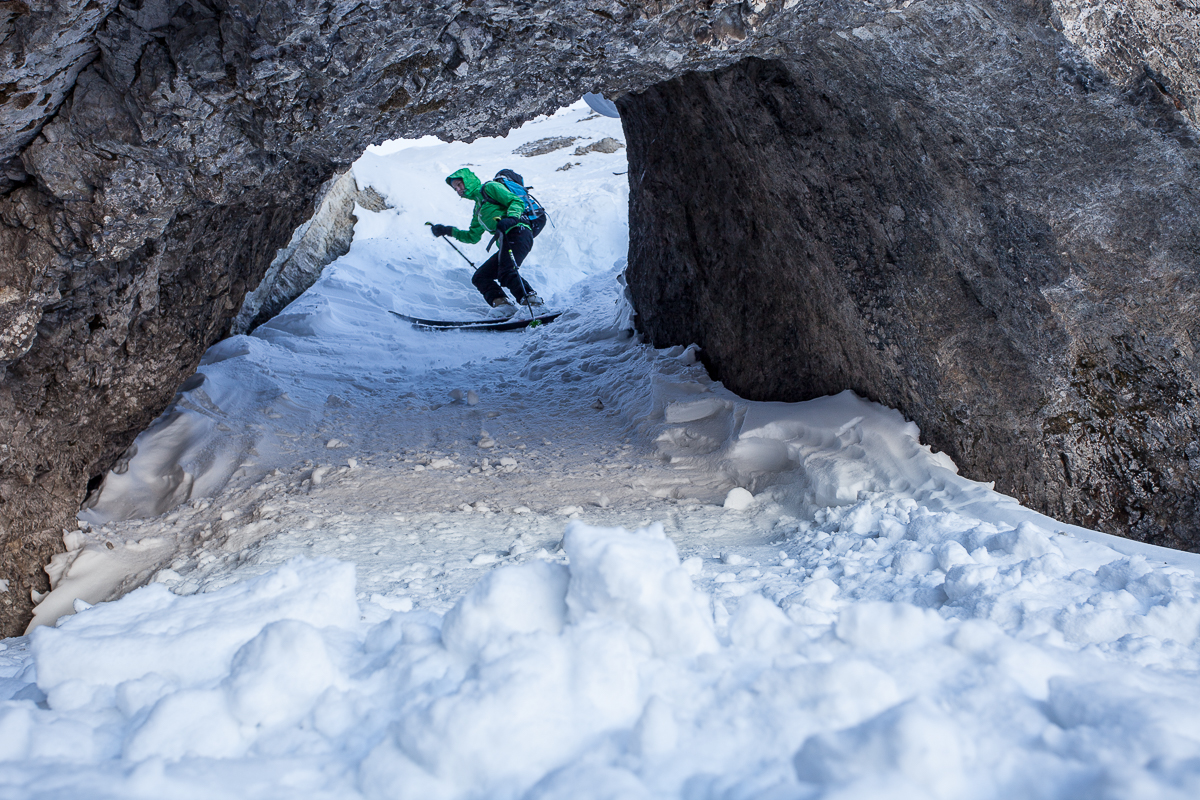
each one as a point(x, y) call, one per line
point(325, 237)
point(543, 146)
point(43, 48)
point(1009, 258)
point(606, 145)
point(1129, 40)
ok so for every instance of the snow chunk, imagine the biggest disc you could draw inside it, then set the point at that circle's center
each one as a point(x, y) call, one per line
point(192, 722)
point(738, 499)
point(598, 782)
point(888, 626)
point(694, 410)
point(637, 578)
point(524, 599)
point(403, 604)
point(760, 625)
point(914, 745)
point(277, 675)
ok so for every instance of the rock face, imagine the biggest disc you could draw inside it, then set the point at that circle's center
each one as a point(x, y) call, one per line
point(1008, 254)
point(156, 154)
point(325, 237)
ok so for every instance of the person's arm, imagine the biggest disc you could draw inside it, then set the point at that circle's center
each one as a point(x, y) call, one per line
point(472, 234)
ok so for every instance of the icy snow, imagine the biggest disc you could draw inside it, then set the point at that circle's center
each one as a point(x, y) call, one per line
point(386, 563)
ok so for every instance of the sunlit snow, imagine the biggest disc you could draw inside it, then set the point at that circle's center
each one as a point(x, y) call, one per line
point(390, 563)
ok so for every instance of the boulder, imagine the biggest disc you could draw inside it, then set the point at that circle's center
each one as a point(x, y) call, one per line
point(956, 215)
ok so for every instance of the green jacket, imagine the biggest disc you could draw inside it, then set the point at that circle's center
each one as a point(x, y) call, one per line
point(492, 202)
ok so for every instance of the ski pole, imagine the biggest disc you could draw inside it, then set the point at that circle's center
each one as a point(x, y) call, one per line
point(519, 278)
point(528, 307)
point(460, 252)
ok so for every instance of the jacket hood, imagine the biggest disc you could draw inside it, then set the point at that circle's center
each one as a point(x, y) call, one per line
point(469, 180)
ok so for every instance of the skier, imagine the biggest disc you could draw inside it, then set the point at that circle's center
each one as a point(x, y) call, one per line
point(499, 211)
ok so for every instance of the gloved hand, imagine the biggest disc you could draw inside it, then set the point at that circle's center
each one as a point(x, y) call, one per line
point(441, 230)
point(506, 224)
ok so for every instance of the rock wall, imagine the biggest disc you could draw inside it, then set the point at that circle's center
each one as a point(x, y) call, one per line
point(325, 237)
point(156, 154)
point(955, 216)
point(1140, 42)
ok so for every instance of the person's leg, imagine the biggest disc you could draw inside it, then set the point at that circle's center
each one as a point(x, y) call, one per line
point(485, 279)
point(515, 245)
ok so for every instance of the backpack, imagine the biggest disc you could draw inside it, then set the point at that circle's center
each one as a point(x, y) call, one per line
point(516, 184)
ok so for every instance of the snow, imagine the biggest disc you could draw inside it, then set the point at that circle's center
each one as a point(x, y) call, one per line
point(355, 559)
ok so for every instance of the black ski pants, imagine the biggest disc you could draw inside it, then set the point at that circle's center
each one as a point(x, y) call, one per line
point(503, 266)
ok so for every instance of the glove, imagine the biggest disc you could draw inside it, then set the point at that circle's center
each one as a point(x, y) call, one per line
point(442, 230)
point(506, 224)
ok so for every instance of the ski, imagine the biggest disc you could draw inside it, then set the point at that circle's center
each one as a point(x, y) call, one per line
point(514, 323)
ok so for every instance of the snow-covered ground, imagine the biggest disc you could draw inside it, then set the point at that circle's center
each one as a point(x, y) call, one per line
point(392, 563)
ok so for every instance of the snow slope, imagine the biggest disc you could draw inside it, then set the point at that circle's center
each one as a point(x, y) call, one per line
point(387, 563)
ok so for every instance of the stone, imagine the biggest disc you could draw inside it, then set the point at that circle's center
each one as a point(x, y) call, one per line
point(606, 145)
point(543, 146)
point(1011, 261)
point(325, 237)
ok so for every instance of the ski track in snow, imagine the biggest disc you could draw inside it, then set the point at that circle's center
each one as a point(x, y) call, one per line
point(560, 563)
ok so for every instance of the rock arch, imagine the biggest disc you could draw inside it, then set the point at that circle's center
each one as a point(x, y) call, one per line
point(155, 154)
